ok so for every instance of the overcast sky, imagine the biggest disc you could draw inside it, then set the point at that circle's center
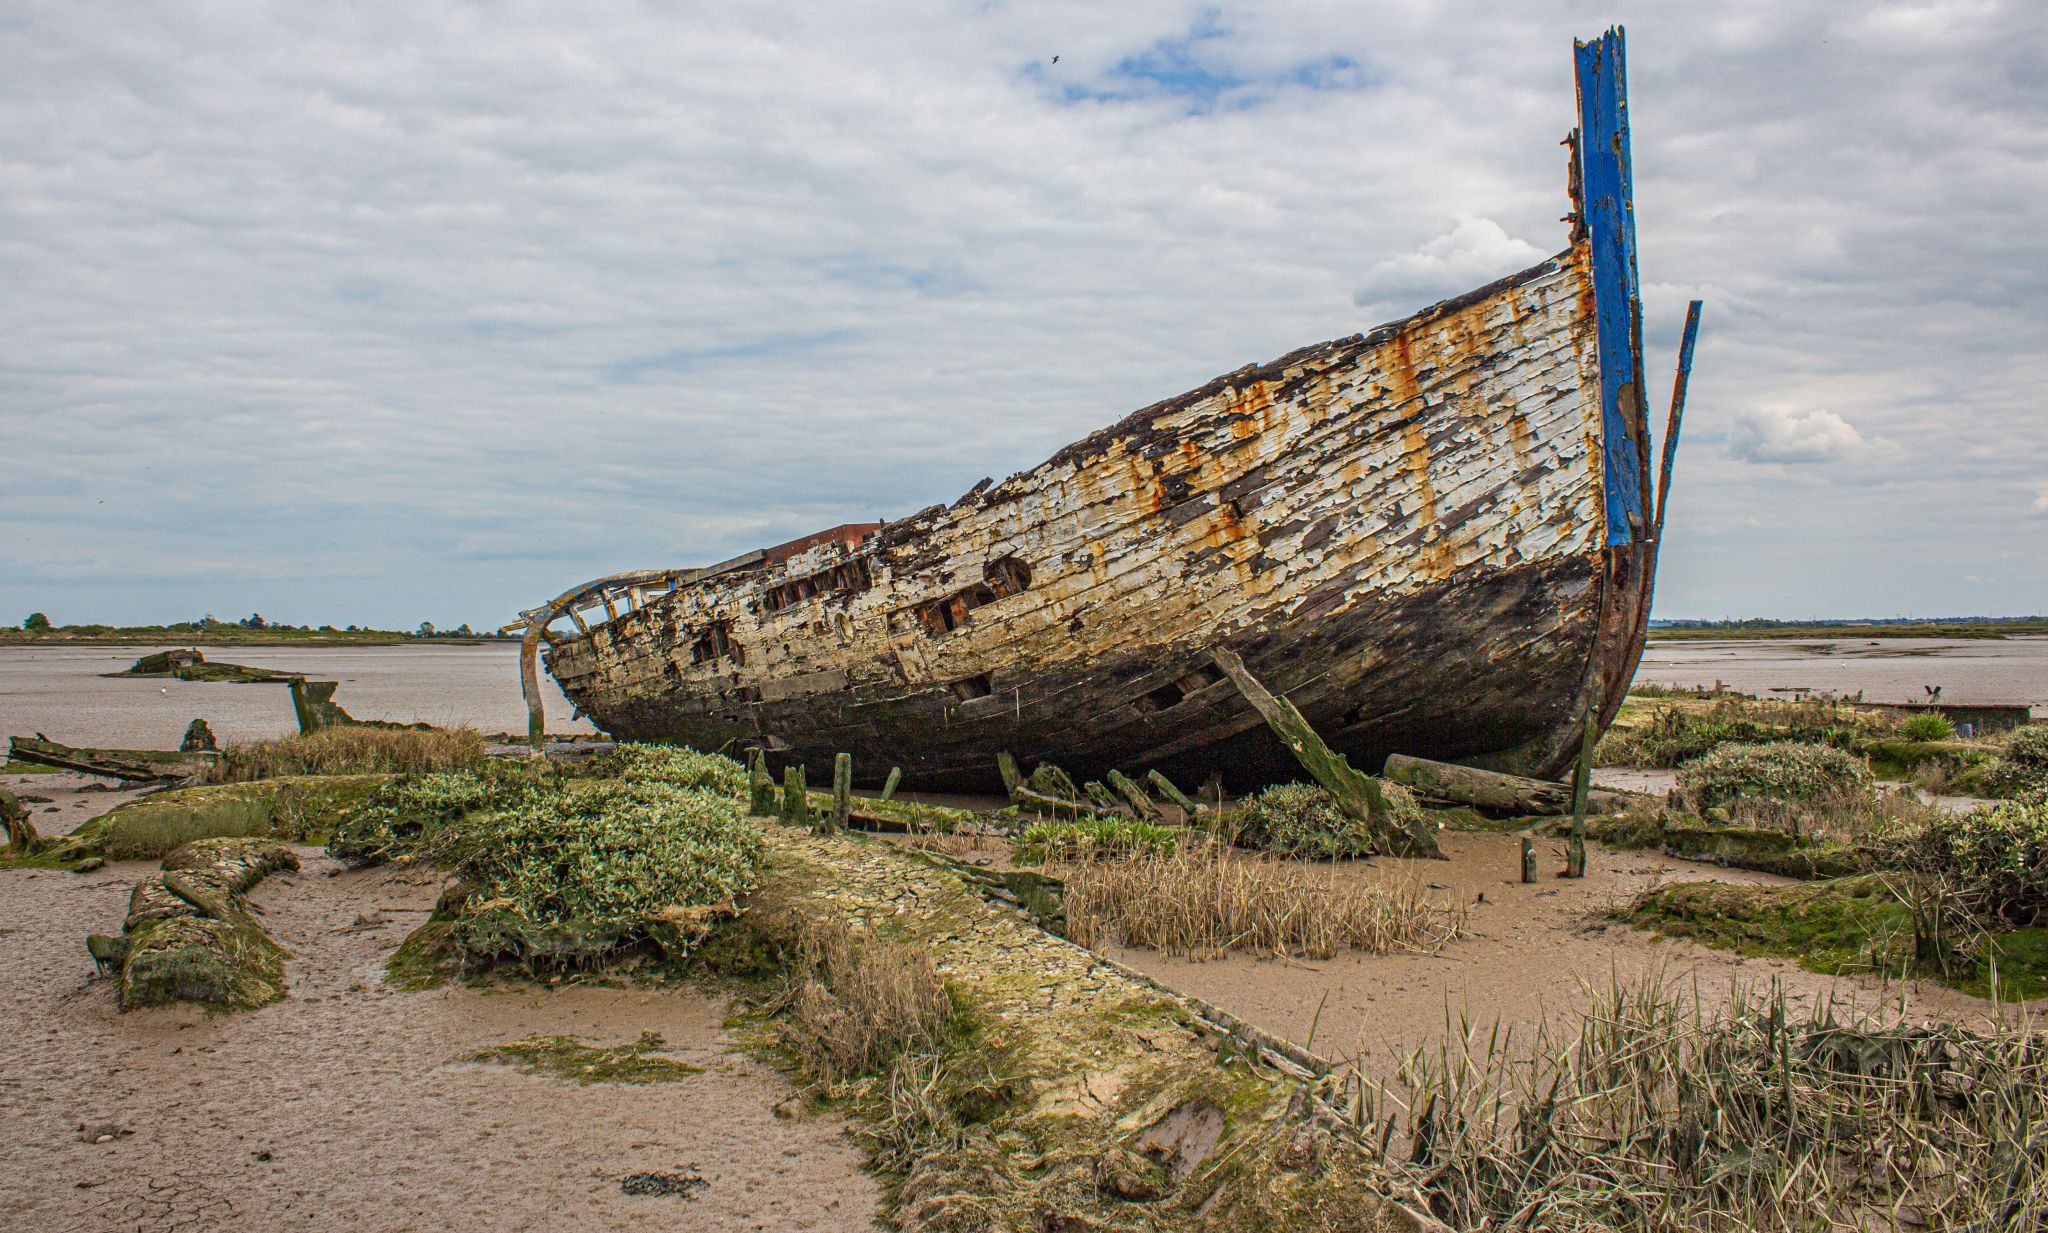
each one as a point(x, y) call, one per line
point(382, 312)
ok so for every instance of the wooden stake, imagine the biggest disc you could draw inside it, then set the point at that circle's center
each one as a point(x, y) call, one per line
point(760, 788)
point(842, 790)
point(792, 794)
point(1358, 795)
point(1006, 766)
point(1135, 796)
point(889, 784)
point(1582, 788)
point(1171, 793)
point(1528, 860)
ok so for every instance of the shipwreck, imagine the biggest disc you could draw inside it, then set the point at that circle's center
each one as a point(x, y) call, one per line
point(1437, 538)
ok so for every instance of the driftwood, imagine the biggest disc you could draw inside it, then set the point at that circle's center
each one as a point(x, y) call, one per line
point(22, 839)
point(1511, 794)
point(130, 765)
point(1170, 792)
point(1142, 806)
point(889, 784)
point(1357, 794)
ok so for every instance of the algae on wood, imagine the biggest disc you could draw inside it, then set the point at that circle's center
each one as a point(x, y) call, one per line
point(189, 936)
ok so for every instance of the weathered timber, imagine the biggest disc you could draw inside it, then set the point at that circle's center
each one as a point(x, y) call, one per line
point(889, 784)
point(314, 706)
point(1508, 794)
point(1006, 766)
point(792, 793)
point(22, 839)
point(1045, 804)
point(1142, 805)
point(1528, 860)
point(131, 765)
point(189, 936)
point(760, 787)
point(1358, 795)
point(191, 665)
point(198, 738)
point(1433, 538)
point(1170, 792)
point(1582, 786)
point(1102, 799)
point(842, 789)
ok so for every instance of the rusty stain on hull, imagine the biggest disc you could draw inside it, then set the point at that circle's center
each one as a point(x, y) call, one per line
point(1406, 532)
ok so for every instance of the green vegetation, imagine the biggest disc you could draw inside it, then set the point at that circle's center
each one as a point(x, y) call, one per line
point(565, 1057)
point(1654, 1111)
point(858, 1000)
point(189, 935)
point(249, 631)
point(352, 750)
point(292, 807)
point(1992, 860)
point(1093, 838)
point(1295, 819)
point(2022, 766)
point(573, 873)
point(1777, 772)
point(1927, 727)
point(1681, 726)
point(392, 822)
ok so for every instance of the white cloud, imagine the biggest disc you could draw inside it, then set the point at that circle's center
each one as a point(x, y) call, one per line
point(1780, 436)
point(1473, 253)
point(2041, 499)
point(407, 310)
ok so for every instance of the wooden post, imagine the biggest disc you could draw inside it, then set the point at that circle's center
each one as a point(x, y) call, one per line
point(1528, 860)
point(529, 686)
point(842, 790)
point(792, 794)
point(1582, 788)
point(1101, 798)
point(1006, 766)
point(1134, 796)
point(1358, 795)
point(1171, 793)
point(889, 784)
point(760, 788)
point(22, 839)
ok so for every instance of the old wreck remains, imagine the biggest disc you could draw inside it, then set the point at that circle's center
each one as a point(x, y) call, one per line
point(1437, 538)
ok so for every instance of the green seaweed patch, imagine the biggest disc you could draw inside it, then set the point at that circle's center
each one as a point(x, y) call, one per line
point(1741, 847)
point(1849, 924)
point(2020, 960)
point(295, 808)
point(231, 964)
point(565, 1057)
point(427, 958)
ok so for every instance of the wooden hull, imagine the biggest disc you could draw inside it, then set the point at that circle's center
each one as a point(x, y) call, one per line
point(1430, 538)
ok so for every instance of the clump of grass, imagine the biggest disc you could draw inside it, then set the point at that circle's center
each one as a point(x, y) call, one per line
point(1094, 838)
point(2021, 769)
point(857, 1000)
point(565, 1057)
point(1930, 726)
point(677, 766)
point(287, 808)
point(400, 816)
point(1675, 734)
point(1780, 772)
point(1203, 902)
point(576, 872)
point(1653, 1112)
point(1296, 819)
point(1994, 860)
point(348, 750)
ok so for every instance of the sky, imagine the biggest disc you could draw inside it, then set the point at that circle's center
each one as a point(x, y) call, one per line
point(377, 313)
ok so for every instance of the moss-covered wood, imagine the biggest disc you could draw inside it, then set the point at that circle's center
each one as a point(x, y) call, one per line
point(1356, 793)
point(189, 935)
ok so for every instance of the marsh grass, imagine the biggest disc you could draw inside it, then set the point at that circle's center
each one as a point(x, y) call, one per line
point(857, 999)
point(1680, 726)
point(1203, 901)
point(1095, 838)
point(352, 751)
point(1655, 1112)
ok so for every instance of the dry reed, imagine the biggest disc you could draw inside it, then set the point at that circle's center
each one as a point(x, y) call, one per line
point(1655, 1113)
point(858, 999)
point(352, 751)
point(1205, 901)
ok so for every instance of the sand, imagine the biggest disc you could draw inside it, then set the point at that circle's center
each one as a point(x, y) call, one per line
point(351, 1106)
point(1529, 951)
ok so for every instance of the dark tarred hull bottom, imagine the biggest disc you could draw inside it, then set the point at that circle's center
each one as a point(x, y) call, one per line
point(1486, 666)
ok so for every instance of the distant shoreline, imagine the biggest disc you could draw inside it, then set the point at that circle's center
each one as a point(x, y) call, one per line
point(1991, 630)
point(249, 638)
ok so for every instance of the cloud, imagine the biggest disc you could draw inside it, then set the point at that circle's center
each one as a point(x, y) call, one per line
point(1474, 252)
point(408, 309)
point(1775, 435)
point(2041, 499)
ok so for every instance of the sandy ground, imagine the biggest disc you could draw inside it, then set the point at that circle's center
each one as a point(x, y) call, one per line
point(1529, 951)
point(350, 1105)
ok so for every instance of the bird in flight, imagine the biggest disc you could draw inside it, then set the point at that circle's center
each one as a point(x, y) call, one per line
point(1055, 59)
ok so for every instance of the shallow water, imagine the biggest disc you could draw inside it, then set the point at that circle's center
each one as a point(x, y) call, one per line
point(1968, 670)
point(58, 691)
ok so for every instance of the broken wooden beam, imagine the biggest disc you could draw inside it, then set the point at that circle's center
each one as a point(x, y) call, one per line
point(1170, 792)
point(1006, 766)
point(842, 789)
point(1509, 794)
point(131, 765)
point(760, 788)
point(889, 784)
point(1142, 805)
point(1356, 793)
